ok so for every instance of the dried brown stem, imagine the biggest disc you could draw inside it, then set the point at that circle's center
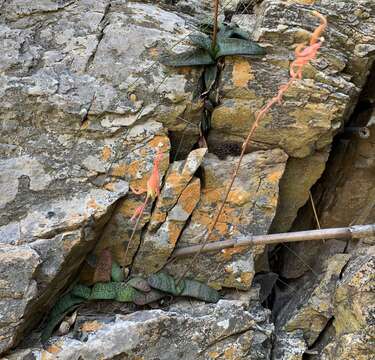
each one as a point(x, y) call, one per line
point(352, 232)
point(214, 32)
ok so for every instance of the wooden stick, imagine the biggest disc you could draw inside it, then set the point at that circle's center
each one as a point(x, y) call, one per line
point(352, 232)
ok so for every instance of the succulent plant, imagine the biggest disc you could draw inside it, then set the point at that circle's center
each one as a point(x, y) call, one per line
point(231, 40)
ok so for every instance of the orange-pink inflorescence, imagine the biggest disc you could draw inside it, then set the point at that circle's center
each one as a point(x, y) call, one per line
point(304, 54)
point(153, 191)
point(153, 187)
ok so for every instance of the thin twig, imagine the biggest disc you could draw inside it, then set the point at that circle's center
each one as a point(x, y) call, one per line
point(314, 210)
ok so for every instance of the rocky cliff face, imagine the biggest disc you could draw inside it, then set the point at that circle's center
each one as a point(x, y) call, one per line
point(86, 103)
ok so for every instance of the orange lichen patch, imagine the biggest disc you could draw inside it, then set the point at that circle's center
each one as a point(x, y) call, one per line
point(229, 353)
point(153, 52)
point(302, 2)
point(85, 125)
point(92, 204)
point(212, 195)
point(273, 201)
point(190, 196)
point(184, 70)
point(275, 176)
point(241, 73)
point(47, 356)
point(228, 269)
point(227, 254)
point(174, 230)
point(90, 326)
point(213, 354)
point(205, 219)
point(109, 186)
point(239, 197)
point(119, 170)
point(69, 244)
point(127, 207)
point(158, 140)
point(246, 277)
point(176, 181)
point(53, 349)
point(158, 216)
point(106, 153)
point(229, 215)
point(139, 184)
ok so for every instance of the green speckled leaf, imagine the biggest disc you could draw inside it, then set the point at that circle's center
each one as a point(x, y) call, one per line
point(239, 47)
point(139, 284)
point(65, 305)
point(166, 283)
point(117, 273)
point(81, 291)
point(147, 298)
point(125, 293)
point(104, 291)
point(196, 57)
point(200, 291)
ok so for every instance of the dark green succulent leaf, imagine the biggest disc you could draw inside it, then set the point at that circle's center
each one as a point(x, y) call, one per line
point(238, 47)
point(201, 41)
point(147, 298)
point(196, 57)
point(117, 274)
point(210, 74)
point(164, 282)
point(104, 291)
point(64, 305)
point(238, 33)
point(200, 291)
point(139, 284)
point(125, 293)
point(81, 291)
point(224, 33)
point(206, 27)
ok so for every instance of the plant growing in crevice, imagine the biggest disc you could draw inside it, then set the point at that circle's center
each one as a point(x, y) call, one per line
point(209, 51)
point(304, 54)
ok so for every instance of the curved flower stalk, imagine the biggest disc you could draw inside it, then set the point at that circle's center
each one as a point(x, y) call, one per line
point(304, 54)
point(152, 192)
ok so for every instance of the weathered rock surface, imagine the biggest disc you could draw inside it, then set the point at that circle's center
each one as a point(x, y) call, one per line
point(179, 196)
point(85, 103)
point(227, 330)
point(345, 196)
point(250, 210)
point(157, 247)
point(313, 109)
point(289, 346)
point(75, 75)
point(354, 308)
point(312, 306)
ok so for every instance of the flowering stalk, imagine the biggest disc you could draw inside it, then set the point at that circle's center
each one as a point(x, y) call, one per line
point(153, 191)
point(304, 54)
